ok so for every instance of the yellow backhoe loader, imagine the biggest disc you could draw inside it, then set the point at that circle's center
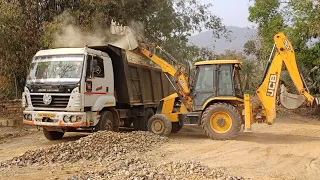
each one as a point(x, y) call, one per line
point(215, 100)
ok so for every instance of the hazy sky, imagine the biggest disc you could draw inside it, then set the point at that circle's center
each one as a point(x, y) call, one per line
point(232, 12)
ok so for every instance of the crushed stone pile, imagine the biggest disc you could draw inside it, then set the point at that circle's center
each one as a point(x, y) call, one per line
point(138, 169)
point(99, 146)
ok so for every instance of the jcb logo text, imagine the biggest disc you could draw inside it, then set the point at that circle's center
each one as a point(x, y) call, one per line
point(272, 85)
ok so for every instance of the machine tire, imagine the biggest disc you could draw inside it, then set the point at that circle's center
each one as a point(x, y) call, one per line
point(217, 112)
point(143, 123)
point(106, 122)
point(176, 127)
point(160, 121)
point(52, 135)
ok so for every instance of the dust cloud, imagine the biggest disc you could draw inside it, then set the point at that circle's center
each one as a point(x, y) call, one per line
point(69, 35)
point(72, 36)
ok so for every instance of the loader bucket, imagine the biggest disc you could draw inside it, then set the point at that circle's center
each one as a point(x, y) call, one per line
point(290, 101)
point(125, 37)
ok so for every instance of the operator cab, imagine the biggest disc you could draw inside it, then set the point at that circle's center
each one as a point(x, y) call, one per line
point(216, 79)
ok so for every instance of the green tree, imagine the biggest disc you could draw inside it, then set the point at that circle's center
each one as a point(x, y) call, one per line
point(266, 14)
point(18, 43)
point(300, 21)
point(28, 25)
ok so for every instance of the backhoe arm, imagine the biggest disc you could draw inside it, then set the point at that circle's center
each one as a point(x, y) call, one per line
point(268, 89)
point(175, 76)
point(128, 41)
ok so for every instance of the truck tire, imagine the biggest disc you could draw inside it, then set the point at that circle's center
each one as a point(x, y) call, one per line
point(176, 127)
point(221, 121)
point(141, 123)
point(148, 113)
point(52, 135)
point(160, 124)
point(106, 122)
point(136, 124)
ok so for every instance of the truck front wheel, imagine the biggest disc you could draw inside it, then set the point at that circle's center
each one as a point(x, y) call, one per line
point(52, 135)
point(106, 122)
point(221, 121)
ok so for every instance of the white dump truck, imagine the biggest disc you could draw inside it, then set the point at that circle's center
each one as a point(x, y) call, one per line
point(90, 89)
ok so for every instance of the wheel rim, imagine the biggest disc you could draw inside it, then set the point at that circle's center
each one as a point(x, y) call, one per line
point(108, 125)
point(220, 122)
point(157, 126)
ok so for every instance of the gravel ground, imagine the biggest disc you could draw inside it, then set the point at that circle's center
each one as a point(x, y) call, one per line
point(100, 146)
point(138, 169)
point(13, 132)
point(122, 156)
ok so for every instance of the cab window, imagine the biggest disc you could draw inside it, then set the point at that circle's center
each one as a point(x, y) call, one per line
point(225, 80)
point(205, 79)
point(99, 68)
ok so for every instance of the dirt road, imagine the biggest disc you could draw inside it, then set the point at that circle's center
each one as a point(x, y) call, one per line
point(289, 149)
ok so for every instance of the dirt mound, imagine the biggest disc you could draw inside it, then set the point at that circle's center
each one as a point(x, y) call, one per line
point(140, 169)
point(99, 146)
point(303, 112)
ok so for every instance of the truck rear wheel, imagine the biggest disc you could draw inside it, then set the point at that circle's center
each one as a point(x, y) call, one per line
point(160, 124)
point(176, 127)
point(144, 120)
point(141, 123)
point(106, 122)
point(52, 135)
point(221, 121)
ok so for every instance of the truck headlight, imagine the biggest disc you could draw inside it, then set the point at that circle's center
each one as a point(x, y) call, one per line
point(66, 119)
point(73, 119)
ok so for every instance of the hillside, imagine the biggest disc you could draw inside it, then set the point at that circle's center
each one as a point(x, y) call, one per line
point(238, 36)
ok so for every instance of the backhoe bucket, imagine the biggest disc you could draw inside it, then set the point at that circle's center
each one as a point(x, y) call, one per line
point(290, 101)
point(126, 39)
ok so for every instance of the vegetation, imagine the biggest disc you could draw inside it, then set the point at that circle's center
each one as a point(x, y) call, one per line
point(300, 21)
point(26, 26)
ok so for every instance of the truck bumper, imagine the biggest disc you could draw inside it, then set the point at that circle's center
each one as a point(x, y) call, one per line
point(54, 119)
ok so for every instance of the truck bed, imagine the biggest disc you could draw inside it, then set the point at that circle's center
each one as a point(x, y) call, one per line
point(135, 84)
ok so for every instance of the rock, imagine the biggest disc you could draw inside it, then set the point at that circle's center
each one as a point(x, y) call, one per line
point(120, 156)
point(140, 169)
point(95, 147)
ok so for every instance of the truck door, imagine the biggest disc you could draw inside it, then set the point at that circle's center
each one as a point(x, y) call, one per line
point(99, 80)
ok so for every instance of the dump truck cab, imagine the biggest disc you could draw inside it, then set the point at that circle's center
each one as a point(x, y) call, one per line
point(216, 80)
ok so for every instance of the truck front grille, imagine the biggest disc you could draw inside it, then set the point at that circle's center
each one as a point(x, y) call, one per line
point(57, 101)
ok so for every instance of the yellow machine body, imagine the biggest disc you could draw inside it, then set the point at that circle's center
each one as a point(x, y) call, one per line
point(219, 106)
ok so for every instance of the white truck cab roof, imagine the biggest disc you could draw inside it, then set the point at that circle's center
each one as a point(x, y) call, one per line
point(59, 51)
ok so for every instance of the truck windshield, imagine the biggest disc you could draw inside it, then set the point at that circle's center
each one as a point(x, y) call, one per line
point(56, 69)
